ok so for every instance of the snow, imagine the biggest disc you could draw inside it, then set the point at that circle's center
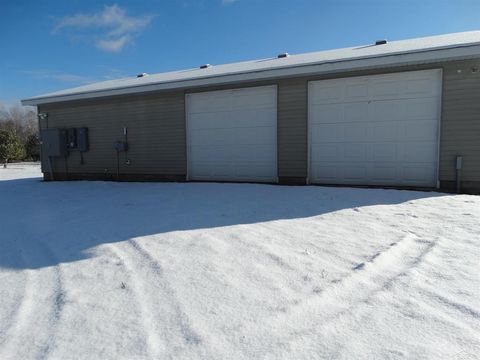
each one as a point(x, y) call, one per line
point(99, 270)
point(259, 68)
point(21, 170)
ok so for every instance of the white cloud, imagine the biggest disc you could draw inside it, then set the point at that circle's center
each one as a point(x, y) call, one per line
point(120, 27)
point(113, 45)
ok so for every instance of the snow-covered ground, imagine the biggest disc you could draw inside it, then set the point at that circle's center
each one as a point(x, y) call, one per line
point(98, 270)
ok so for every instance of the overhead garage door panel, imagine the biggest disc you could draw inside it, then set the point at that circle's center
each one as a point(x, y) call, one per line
point(232, 135)
point(405, 85)
point(379, 130)
point(233, 119)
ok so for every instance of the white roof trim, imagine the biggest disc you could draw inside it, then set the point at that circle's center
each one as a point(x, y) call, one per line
point(302, 65)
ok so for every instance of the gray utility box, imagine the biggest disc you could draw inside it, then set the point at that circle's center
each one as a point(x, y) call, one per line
point(82, 139)
point(53, 142)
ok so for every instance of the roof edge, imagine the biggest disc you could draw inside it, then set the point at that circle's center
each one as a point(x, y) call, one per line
point(435, 55)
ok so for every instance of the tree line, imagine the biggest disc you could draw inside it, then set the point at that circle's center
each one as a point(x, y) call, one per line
point(19, 139)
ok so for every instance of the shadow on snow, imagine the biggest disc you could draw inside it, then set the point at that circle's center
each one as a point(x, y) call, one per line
point(46, 223)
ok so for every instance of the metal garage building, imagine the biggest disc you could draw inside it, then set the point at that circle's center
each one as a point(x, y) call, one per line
point(403, 114)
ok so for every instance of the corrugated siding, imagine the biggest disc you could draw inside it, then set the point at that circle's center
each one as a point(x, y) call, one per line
point(292, 128)
point(156, 134)
point(157, 125)
point(460, 129)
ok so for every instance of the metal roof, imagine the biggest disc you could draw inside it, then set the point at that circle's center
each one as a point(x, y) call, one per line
point(403, 52)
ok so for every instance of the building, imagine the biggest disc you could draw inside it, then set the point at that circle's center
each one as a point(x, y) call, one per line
point(401, 113)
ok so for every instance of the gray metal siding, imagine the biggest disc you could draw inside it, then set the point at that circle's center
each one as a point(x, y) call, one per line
point(157, 125)
point(156, 134)
point(460, 129)
point(460, 119)
point(292, 128)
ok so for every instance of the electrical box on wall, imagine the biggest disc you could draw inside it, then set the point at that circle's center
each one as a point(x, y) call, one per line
point(58, 142)
point(71, 138)
point(82, 139)
point(53, 142)
point(77, 139)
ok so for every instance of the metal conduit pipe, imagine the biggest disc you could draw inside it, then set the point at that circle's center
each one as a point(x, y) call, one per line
point(458, 168)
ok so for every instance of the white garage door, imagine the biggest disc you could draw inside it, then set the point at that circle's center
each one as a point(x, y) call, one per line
point(232, 135)
point(375, 130)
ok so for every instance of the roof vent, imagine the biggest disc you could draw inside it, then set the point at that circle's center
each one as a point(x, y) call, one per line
point(205, 66)
point(380, 42)
point(141, 75)
point(283, 55)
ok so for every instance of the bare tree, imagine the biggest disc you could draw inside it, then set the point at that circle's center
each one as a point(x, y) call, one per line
point(21, 121)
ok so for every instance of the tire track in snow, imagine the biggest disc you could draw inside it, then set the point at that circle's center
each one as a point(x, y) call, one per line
point(166, 324)
point(366, 280)
point(154, 345)
point(20, 316)
point(376, 274)
point(457, 314)
point(11, 319)
point(41, 308)
point(23, 302)
point(462, 309)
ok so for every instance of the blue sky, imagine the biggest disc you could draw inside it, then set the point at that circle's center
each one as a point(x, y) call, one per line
point(53, 45)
